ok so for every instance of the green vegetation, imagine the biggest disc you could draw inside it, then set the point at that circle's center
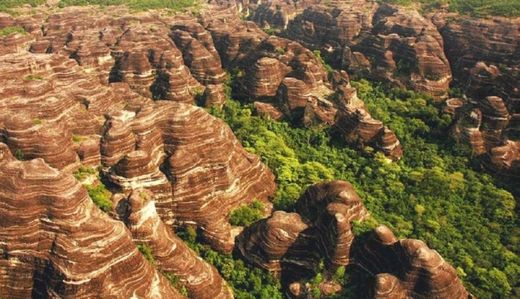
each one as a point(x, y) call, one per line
point(100, 196)
point(246, 215)
point(175, 282)
point(33, 78)
point(11, 30)
point(433, 193)
point(83, 172)
point(477, 8)
point(7, 5)
point(18, 154)
point(37, 121)
point(175, 5)
point(246, 281)
point(327, 67)
point(146, 251)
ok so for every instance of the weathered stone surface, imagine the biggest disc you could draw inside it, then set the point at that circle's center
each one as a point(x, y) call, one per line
point(171, 254)
point(485, 57)
point(407, 268)
point(486, 126)
point(291, 244)
point(57, 243)
point(82, 95)
point(385, 42)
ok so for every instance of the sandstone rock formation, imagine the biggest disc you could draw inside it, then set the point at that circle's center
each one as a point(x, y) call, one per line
point(382, 41)
point(282, 76)
point(407, 268)
point(170, 253)
point(79, 92)
point(485, 57)
point(56, 243)
point(290, 244)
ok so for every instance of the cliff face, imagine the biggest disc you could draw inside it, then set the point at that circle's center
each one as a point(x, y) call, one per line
point(400, 46)
point(80, 92)
point(384, 42)
point(323, 222)
point(485, 57)
point(57, 243)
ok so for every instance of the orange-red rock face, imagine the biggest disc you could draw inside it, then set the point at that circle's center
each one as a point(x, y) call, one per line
point(171, 254)
point(384, 42)
point(57, 243)
point(79, 92)
point(290, 244)
point(484, 54)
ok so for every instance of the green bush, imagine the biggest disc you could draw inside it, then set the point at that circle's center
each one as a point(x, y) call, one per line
point(11, 30)
point(246, 215)
point(477, 8)
point(100, 196)
point(147, 252)
point(175, 282)
point(83, 172)
point(7, 5)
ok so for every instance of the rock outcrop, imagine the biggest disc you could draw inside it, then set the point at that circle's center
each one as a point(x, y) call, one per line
point(385, 42)
point(291, 244)
point(407, 268)
point(87, 100)
point(485, 57)
point(56, 243)
point(171, 254)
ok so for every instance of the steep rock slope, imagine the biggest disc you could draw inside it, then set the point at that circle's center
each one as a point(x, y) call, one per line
point(384, 42)
point(485, 57)
point(56, 243)
point(323, 223)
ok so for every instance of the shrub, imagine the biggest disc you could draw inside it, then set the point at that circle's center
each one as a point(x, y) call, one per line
point(83, 172)
point(100, 196)
point(246, 215)
point(147, 252)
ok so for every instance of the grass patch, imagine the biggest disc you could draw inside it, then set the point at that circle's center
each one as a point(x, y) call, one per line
point(147, 252)
point(7, 5)
point(33, 78)
point(83, 172)
point(11, 30)
point(476, 8)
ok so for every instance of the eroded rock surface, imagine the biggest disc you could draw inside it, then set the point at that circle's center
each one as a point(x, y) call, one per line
point(291, 244)
point(56, 243)
point(385, 42)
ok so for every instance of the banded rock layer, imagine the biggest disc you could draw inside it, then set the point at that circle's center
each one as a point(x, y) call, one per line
point(385, 42)
point(57, 243)
point(291, 244)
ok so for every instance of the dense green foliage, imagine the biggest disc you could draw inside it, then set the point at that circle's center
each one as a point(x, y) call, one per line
point(176, 5)
point(100, 196)
point(478, 8)
point(432, 194)
point(246, 215)
point(246, 281)
point(11, 30)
